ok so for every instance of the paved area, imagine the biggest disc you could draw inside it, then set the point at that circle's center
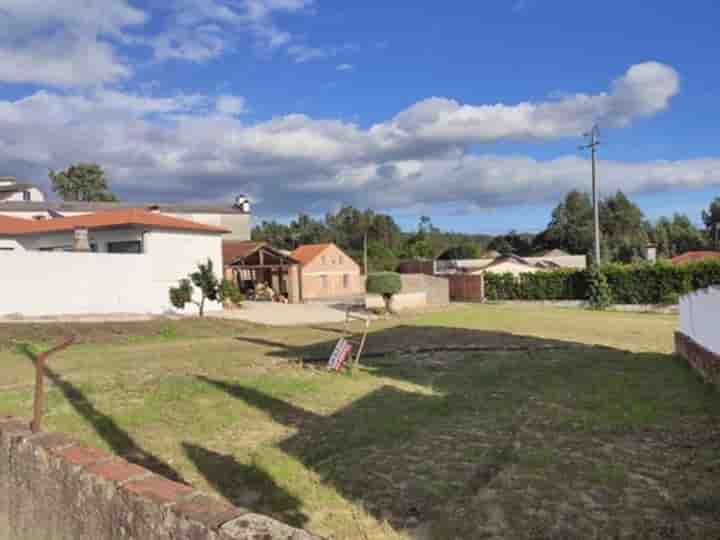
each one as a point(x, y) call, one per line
point(274, 314)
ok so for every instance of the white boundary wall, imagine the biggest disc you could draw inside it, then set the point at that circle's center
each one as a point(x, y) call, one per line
point(700, 317)
point(34, 283)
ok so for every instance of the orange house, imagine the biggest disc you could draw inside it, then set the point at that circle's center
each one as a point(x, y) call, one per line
point(328, 273)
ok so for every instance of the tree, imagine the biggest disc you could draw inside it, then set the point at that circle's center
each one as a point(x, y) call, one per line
point(623, 228)
point(466, 250)
point(571, 225)
point(386, 284)
point(676, 236)
point(711, 219)
point(512, 243)
point(82, 182)
point(205, 280)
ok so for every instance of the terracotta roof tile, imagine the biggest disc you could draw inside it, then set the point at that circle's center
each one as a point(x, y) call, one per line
point(101, 220)
point(692, 256)
point(232, 250)
point(307, 253)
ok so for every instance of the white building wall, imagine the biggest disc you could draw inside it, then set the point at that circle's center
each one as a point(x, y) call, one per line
point(35, 196)
point(700, 317)
point(37, 283)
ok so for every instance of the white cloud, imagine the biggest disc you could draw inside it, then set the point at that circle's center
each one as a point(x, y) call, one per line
point(200, 30)
point(160, 147)
point(64, 43)
point(305, 53)
point(345, 67)
point(230, 105)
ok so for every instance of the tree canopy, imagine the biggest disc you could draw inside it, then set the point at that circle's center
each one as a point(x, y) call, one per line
point(82, 182)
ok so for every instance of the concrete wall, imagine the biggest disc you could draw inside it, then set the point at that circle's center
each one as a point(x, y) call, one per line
point(437, 289)
point(55, 488)
point(327, 275)
point(400, 302)
point(56, 283)
point(700, 317)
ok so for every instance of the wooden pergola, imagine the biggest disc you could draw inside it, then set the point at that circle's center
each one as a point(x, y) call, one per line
point(254, 263)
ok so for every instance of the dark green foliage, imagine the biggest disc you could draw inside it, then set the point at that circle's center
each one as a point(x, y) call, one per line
point(229, 292)
point(82, 182)
point(599, 295)
point(676, 236)
point(385, 284)
point(205, 280)
point(551, 285)
point(711, 219)
point(182, 294)
point(570, 228)
point(642, 283)
point(466, 250)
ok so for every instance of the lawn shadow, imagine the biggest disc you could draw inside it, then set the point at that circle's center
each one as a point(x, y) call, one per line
point(245, 486)
point(488, 402)
point(105, 426)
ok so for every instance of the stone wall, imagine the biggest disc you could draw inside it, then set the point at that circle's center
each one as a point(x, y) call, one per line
point(702, 360)
point(55, 488)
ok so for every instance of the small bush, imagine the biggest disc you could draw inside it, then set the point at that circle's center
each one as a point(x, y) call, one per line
point(385, 284)
point(599, 296)
point(230, 293)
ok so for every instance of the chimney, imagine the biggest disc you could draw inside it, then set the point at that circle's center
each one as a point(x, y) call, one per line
point(80, 240)
point(651, 252)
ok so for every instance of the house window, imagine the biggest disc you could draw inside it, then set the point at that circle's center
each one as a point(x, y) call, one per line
point(346, 281)
point(324, 282)
point(133, 246)
point(323, 259)
point(340, 260)
point(26, 195)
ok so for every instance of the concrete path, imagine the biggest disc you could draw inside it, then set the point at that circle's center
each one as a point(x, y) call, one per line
point(274, 314)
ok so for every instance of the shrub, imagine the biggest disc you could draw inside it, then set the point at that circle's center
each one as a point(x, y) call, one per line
point(599, 296)
point(641, 283)
point(204, 279)
point(230, 293)
point(386, 284)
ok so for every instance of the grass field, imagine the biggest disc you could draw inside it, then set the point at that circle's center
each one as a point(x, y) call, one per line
point(552, 424)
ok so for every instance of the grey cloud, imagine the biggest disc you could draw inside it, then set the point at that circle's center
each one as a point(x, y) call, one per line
point(165, 148)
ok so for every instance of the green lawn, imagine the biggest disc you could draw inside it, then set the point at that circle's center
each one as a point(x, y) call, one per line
point(552, 424)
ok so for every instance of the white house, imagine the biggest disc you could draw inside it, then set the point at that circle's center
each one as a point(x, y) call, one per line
point(235, 217)
point(121, 261)
point(12, 190)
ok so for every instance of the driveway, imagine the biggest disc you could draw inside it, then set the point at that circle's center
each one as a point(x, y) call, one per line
point(275, 314)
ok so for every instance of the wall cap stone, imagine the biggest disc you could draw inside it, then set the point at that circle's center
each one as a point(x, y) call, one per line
point(188, 509)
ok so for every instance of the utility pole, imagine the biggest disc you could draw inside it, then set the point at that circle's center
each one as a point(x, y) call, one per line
point(593, 135)
point(365, 262)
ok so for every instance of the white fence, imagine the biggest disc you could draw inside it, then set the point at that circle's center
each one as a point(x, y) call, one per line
point(35, 283)
point(700, 317)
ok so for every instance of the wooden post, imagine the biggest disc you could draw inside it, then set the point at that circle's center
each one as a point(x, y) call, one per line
point(39, 398)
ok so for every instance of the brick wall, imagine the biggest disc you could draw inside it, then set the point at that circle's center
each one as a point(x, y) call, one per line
point(55, 488)
point(705, 362)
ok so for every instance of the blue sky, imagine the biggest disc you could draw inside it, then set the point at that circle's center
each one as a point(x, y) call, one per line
point(470, 112)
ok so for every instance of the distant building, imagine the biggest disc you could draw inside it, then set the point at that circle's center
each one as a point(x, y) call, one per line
point(516, 265)
point(328, 273)
point(695, 256)
point(12, 190)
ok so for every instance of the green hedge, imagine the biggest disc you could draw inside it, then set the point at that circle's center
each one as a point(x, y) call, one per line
point(643, 283)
